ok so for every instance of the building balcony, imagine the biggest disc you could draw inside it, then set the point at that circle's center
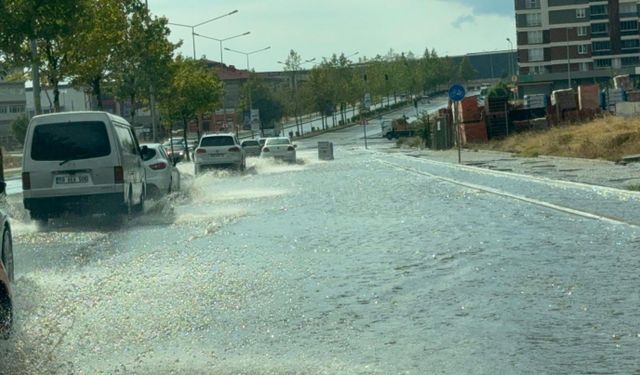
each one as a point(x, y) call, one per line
point(575, 75)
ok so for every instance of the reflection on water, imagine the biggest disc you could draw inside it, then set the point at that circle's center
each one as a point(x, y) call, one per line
point(345, 267)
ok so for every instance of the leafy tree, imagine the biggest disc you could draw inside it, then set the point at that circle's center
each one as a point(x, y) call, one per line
point(193, 89)
point(19, 128)
point(143, 60)
point(466, 71)
point(40, 31)
point(93, 58)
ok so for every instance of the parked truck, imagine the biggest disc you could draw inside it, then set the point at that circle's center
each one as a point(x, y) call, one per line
point(397, 128)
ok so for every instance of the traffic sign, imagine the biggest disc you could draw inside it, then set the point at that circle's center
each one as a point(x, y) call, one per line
point(456, 93)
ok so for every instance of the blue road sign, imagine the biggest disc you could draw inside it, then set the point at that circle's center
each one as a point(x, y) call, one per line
point(456, 93)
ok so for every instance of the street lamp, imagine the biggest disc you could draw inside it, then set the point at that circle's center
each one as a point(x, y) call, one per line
point(193, 28)
point(294, 71)
point(510, 57)
point(224, 107)
point(512, 67)
point(247, 54)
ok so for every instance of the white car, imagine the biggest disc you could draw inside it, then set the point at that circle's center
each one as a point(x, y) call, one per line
point(162, 176)
point(279, 148)
point(219, 150)
point(251, 147)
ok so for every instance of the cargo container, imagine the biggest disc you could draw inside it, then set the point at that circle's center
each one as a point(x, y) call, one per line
point(473, 132)
point(564, 99)
point(468, 110)
point(622, 82)
point(588, 97)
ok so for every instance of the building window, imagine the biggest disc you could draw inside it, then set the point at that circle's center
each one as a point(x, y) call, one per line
point(539, 69)
point(532, 4)
point(583, 49)
point(583, 67)
point(630, 43)
point(599, 10)
point(534, 19)
point(629, 26)
point(3, 109)
point(16, 108)
point(583, 31)
point(630, 61)
point(581, 13)
point(536, 54)
point(534, 37)
point(601, 46)
point(599, 29)
point(604, 63)
point(628, 10)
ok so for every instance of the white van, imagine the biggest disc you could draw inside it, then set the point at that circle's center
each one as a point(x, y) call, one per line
point(81, 162)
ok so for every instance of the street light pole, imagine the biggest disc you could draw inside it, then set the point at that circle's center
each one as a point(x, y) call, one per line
point(193, 28)
point(224, 107)
point(247, 54)
point(568, 59)
point(512, 68)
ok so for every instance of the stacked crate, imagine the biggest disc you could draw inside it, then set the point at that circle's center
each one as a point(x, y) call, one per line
point(471, 126)
point(497, 117)
point(589, 97)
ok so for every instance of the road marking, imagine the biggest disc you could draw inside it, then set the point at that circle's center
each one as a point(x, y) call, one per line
point(545, 180)
point(486, 189)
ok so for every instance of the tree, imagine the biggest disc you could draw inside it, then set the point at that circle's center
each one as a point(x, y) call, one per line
point(19, 128)
point(142, 62)
point(40, 31)
point(93, 58)
point(466, 72)
point(193, 89)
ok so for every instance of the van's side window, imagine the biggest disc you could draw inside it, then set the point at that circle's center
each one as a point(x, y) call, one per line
point(126, 140)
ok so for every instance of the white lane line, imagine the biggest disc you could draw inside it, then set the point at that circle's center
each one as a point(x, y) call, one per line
point(521, 198)
point(517, 176)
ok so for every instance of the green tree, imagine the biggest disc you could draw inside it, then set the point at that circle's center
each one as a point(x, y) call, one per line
point(42, 32)
point(19, 128)
point(142, 62)
point(466, 72)
point(193, 89)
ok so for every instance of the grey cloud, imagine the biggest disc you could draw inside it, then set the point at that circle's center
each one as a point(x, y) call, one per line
point(496, 7)
point(462, 20)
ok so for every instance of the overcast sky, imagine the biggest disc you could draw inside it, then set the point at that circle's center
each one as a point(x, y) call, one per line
point(317, 29)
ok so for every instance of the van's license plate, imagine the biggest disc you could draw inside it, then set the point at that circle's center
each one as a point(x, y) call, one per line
point(72, 179)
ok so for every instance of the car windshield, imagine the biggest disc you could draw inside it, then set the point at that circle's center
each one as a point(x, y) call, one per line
point(70, 141)
point(217, 141)
point(250, 143)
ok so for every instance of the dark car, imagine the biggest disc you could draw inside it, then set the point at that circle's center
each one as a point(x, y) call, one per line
point(6, 275)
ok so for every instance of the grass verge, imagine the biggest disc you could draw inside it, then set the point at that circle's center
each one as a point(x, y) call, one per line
point(608, 138)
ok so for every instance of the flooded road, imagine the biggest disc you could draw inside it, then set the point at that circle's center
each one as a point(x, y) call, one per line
point(369, 264)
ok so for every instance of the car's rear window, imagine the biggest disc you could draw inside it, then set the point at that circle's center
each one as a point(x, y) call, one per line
point(278, 141)
point(250, 143)
point(70, 141)
point(216, 141)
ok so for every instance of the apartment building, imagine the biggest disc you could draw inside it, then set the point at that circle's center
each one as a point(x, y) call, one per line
point(564, 43)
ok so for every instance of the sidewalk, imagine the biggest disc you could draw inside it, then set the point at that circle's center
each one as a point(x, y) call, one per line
point(587, 171)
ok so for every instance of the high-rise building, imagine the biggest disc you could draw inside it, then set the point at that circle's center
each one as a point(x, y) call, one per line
point(572, 42)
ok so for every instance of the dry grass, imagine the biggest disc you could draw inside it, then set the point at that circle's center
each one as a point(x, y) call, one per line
point(413, 142)
point(608, 138)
